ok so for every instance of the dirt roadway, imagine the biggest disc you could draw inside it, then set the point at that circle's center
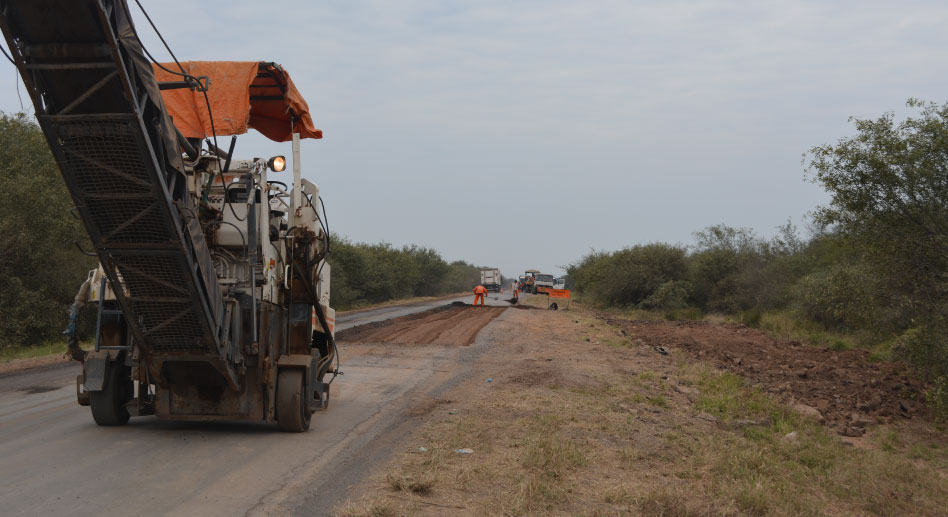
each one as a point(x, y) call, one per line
point(455, 324)
point(54, 459)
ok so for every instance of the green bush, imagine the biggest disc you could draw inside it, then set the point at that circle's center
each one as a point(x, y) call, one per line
point(842, 297)
point(670, 295)
point(40, 268)
point(938, 397)
point(630, 276)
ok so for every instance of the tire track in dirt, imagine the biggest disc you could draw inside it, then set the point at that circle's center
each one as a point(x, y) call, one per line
point(456, 324)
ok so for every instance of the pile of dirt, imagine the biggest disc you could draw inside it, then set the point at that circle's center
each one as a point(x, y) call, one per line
point(454, 324)
point(844, 386)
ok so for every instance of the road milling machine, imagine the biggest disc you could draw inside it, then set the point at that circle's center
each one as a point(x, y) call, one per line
point(212, 291)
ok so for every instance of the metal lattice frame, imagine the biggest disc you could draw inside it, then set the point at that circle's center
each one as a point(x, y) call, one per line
point(96, 102)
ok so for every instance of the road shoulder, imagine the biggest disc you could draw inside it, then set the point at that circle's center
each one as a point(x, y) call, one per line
point(580, 418)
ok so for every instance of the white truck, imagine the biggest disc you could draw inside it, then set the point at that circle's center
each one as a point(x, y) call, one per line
point(490, 278)
point(543, 280)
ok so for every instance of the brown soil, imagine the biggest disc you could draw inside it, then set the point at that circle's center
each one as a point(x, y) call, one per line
point(843, 385)
point(456, 324)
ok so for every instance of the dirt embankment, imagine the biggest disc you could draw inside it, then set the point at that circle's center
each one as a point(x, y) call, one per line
point(455, 324)
point(842, 384)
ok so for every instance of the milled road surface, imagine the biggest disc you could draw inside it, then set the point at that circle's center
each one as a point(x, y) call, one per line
point(54, 459)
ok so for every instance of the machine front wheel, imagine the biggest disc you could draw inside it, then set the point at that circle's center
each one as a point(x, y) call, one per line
point(108, 405)
point(292, 414)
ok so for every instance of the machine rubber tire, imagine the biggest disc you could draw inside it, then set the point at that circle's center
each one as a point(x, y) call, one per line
point(292, 414)
point(108, 405)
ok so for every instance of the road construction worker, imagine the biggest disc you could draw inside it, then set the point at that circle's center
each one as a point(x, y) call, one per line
point(480, 292)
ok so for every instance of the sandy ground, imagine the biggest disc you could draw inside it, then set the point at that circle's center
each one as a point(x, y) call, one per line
point(566, 413)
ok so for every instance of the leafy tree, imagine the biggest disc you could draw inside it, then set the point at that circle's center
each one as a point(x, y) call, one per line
point(40, 269)
point(889, 188)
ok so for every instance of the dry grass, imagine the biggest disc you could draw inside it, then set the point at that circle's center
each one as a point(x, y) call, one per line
point(583, 428)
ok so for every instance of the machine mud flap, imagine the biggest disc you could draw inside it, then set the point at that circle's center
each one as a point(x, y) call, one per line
point(95, 369)
point(93, 372)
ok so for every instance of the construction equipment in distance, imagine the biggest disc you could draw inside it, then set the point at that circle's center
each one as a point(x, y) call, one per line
point(213, 289)
point(490, 278)
point(541, 281)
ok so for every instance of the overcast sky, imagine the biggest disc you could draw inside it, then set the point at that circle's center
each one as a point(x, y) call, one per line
point(523, 134)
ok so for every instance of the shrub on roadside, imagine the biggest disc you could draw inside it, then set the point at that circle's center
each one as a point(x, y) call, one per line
point(630, 276)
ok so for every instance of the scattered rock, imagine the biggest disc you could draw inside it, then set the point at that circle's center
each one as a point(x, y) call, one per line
point(661, 350)
point(687, 390)
point(808, 412)
point(708, 417)
point(851, 431)
point(872, 403)
point(740, 424)
point(790, 437)
point(859, 420)
point(638, 342)
point(739, 361)
point(803, 374)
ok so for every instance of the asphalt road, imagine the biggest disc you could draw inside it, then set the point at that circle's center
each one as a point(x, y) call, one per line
point(55, 460)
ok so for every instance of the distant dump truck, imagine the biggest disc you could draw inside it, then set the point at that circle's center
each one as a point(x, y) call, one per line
point(490, 278)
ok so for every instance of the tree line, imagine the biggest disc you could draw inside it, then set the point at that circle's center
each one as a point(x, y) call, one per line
point(364, 274)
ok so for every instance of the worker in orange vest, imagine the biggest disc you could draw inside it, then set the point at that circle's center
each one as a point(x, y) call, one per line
point(479, 293)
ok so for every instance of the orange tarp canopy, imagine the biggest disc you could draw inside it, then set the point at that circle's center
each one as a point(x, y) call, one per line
point(242, 94)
